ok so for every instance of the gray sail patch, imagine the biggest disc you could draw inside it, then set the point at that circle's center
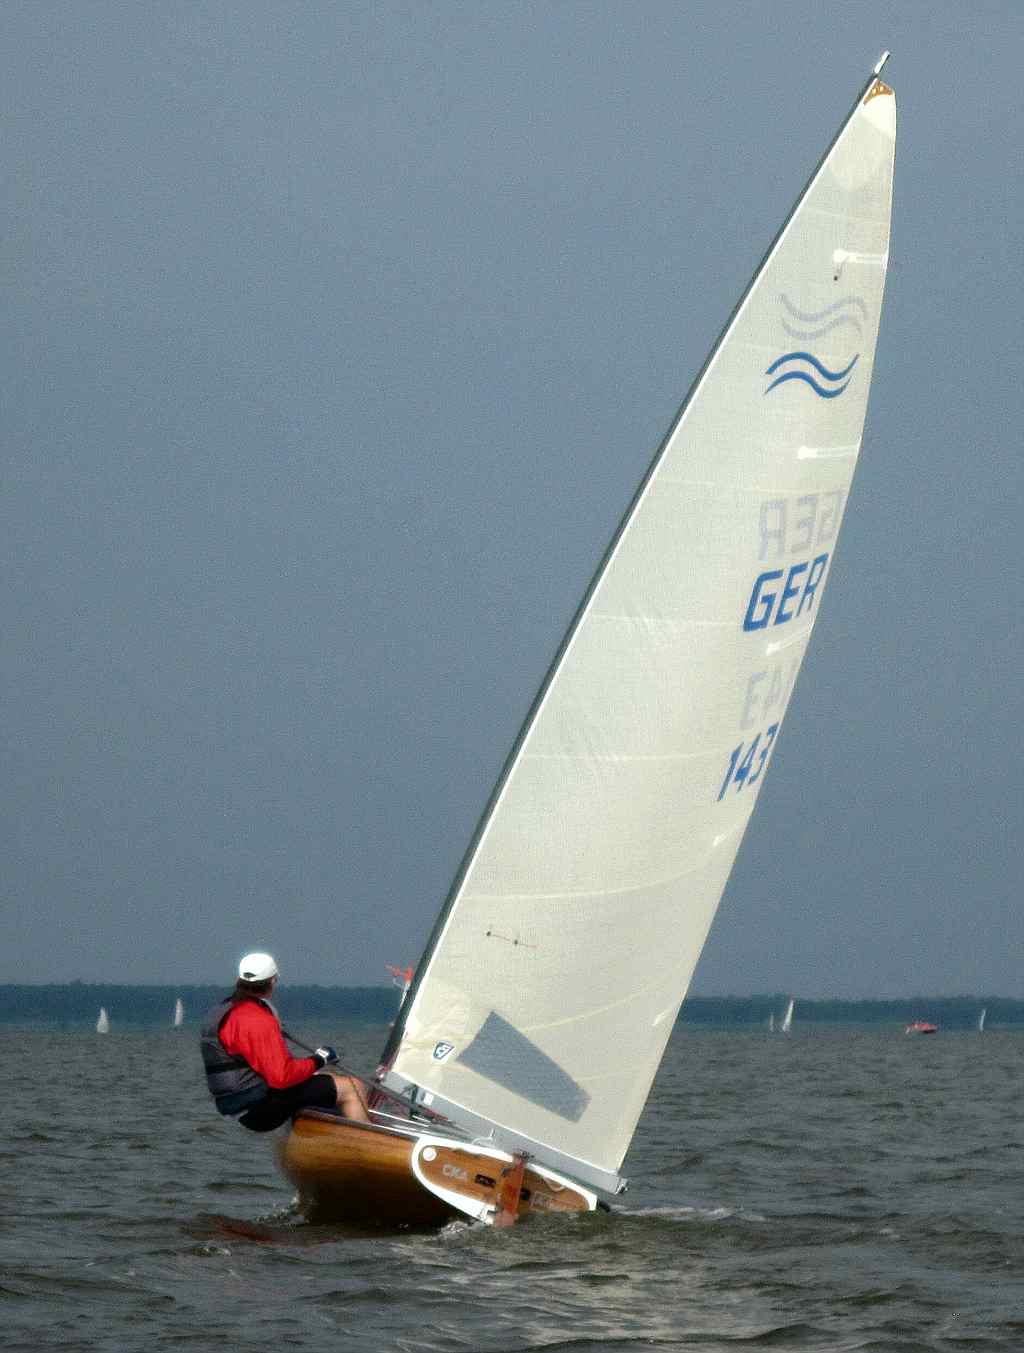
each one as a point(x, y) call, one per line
point(500, 1053)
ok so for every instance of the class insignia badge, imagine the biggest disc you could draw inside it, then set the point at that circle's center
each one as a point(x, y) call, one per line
point(442, 1050)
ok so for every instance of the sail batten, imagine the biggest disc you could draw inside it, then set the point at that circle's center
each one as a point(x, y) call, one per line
point(780, 644)
point(667, 621)
point(581, 894)
point(614, 758)
point(613, 829)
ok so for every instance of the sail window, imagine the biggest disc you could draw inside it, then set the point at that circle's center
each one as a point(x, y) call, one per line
point(502, 1054)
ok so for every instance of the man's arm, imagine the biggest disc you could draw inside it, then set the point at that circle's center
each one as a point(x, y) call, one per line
point(253, 1033)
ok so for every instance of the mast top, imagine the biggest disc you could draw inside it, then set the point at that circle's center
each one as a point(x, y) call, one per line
point(881, 62)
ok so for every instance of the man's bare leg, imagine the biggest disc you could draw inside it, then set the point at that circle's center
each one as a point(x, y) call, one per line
point(351, 1097)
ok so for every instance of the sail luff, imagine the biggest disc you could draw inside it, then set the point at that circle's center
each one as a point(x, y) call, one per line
point(570, 830)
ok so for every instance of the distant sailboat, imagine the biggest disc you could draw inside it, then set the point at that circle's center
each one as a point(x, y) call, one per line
point(771, 1024)
point(103, 1022)
point(179, 1013)
point(787, 1018)
point(981, 1020)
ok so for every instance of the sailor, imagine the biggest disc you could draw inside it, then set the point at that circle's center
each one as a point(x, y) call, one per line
point(249, 1070)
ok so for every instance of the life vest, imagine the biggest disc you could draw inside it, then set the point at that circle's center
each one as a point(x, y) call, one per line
point(235, 1086)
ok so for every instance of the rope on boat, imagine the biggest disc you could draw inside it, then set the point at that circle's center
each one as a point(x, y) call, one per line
point(377, 1090)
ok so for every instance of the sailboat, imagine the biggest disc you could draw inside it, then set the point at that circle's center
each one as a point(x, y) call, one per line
point(523, 1054)
point(787, 1018)
point(179, 1013)
point(981, 1020)
point(103, 1021)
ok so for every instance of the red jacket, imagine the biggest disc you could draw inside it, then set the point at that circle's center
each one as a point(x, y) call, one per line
point(252, 1032)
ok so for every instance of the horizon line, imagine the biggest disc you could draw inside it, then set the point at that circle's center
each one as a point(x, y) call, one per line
point(779, 994)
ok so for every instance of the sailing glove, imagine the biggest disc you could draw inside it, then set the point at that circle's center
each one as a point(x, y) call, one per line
point(324, 1056)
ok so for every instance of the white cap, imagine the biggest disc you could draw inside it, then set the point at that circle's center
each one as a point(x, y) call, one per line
point(257, 968)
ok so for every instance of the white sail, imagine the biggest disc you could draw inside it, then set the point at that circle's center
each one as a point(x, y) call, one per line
point(179, 1013)
point(787, 1018)
point(103, 1021)
point(981, 1020)
point(541, 1009)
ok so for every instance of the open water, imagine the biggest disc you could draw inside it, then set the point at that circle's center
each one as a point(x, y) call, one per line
point(835, 1190)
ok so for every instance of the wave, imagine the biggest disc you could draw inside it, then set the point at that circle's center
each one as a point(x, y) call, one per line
point(815, 316)
point(809, 380)
point(689, 1213)
point(833, 391)
point(843, 322)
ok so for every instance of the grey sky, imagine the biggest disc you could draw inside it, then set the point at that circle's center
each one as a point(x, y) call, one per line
point(336, 338)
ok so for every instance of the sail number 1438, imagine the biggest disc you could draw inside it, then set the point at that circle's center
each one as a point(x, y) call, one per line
point(748, 761)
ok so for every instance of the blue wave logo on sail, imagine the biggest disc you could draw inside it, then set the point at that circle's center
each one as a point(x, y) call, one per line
point(828, 384)
point(808, 326)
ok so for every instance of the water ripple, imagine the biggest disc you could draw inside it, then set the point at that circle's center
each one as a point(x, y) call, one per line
point(836, 1193)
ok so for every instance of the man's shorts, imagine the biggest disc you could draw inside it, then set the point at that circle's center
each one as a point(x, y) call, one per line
point(271, 1111)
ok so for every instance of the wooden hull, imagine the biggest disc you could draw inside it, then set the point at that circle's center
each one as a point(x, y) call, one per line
point(364, 1175)
point(352, 1172)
